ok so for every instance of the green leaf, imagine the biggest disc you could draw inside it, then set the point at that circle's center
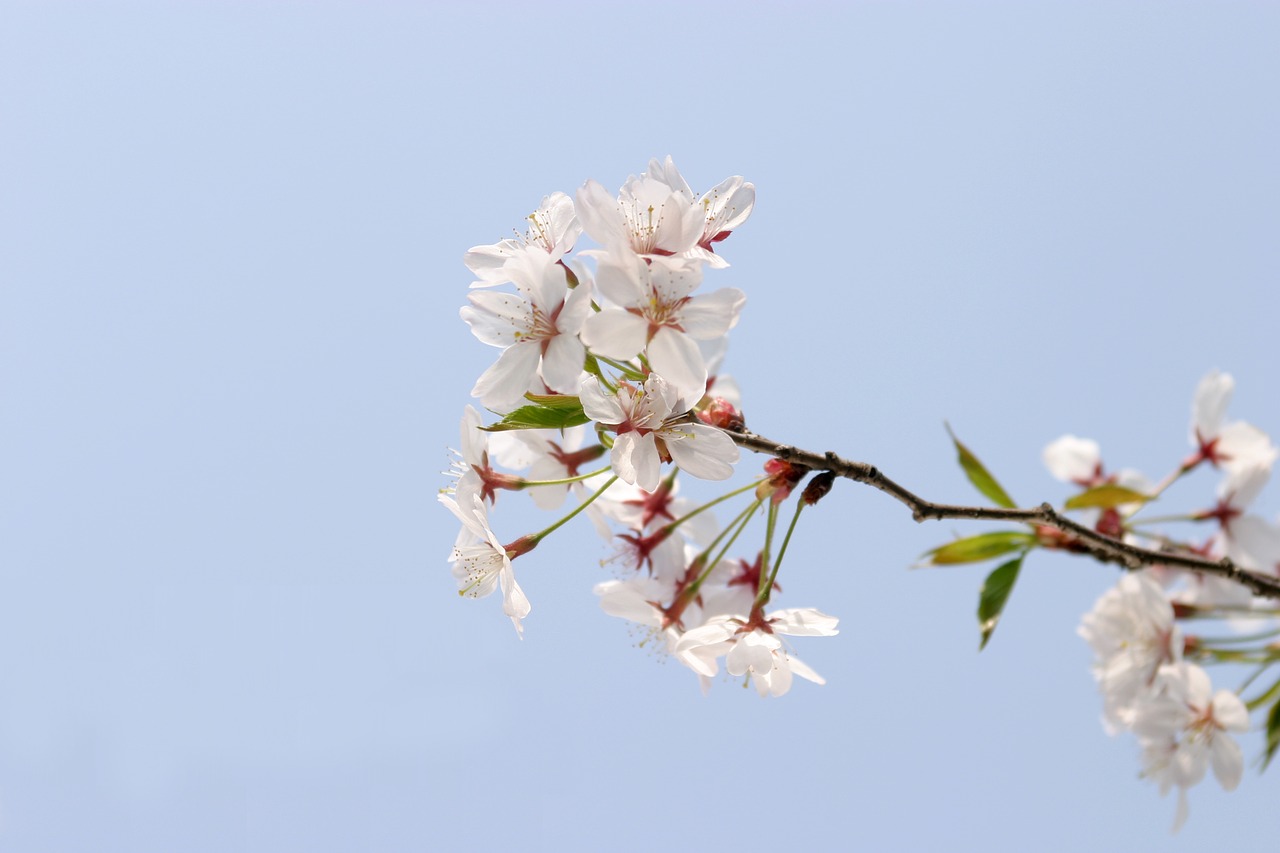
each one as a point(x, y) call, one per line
point(1106, 496)
point(1273, 735)
point(993, 595)
point(979, 475)
point(550, 412)
point(984, 546)
point(562, 402)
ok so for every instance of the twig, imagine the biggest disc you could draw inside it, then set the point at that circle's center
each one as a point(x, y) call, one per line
point(1082, 539)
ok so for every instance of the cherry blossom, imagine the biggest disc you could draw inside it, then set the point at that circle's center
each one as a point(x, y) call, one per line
point(653, 426)
point(1184, 732)
point(725, 207)
point(1132, 633)
point(553, 228)
point(482, 562)
point(538, 330)
point(640, 600)
point(655, 313)
point(649, 217)
point(1074, 460)
point(752, 647)
point(1231, 446)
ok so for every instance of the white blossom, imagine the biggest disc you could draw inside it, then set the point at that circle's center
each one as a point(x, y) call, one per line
point(481, 561)
point(653, 311)
point(1183, 730)
point(724, 208)
point(1132, 633)
point(537, 329)
point(756, 650)
point(552, 229)
point(652, 425)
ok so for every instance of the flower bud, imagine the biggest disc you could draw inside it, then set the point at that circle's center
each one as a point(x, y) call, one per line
point(783, 477)
point(818, 487)
point(721, 413)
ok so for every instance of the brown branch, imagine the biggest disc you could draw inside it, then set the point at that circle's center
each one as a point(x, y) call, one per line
point(1083, 539)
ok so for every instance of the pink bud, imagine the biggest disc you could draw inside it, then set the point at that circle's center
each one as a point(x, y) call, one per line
point(721, 413)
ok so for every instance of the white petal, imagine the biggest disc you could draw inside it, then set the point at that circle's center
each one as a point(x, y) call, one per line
point(576, 310)
point(1229, 712)
point(780, 677)
point(1210, 404)
point(599, 406)
point(504, 384)
point(514, 603)
point(1073, 460)
point(635, 460)
point(1228, 763)
point(803, 622)
point(562, 363)
point(497, 318)
point(676, 357)
point(615, 333)
point(803, 670)
point(1242, 445)
point(599, 214)
point(702, 451)
point(712, 315)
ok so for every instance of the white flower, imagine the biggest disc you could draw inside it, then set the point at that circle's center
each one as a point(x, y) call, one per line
point(1183, 730)
point(471, 470)
point(655, 313)
point(1231, 446)
point(755, 650)
point(724, 207)
point(553, 228)
point(1246, 538)
point(652, 426)
point(641, 600)
point(481, 561)
point(1074, 460)
point(1132, 633)
point(648, 217)
point(539, 330)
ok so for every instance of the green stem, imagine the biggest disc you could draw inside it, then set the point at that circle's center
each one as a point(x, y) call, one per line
point(1163, 519)
point(1234, 656)
point(1253, 676)
point(577, 479)
point(1244, 638)
point(538, 537)
point(766, 553)
point(738, 524)
point(1258, 701)
point(782, 552)
point(706, 506)
point(622, 367)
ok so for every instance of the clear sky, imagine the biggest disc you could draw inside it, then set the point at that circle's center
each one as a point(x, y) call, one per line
point(231, 363)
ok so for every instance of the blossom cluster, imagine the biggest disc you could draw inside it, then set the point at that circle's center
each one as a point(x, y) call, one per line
point(1143, 658)
point(614, 351)
point(609, 387)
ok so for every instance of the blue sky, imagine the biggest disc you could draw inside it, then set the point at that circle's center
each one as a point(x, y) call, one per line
point(231, 364)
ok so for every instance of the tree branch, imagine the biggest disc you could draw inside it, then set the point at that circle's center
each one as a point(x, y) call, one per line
point(1080, 539)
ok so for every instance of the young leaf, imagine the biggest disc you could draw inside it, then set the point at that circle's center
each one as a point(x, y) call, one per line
point(994, 594)
point(979, 475)
point(550, 412)
point(1106, 496)
point(1273, 735)
point(555, 401)
point(984, 546)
